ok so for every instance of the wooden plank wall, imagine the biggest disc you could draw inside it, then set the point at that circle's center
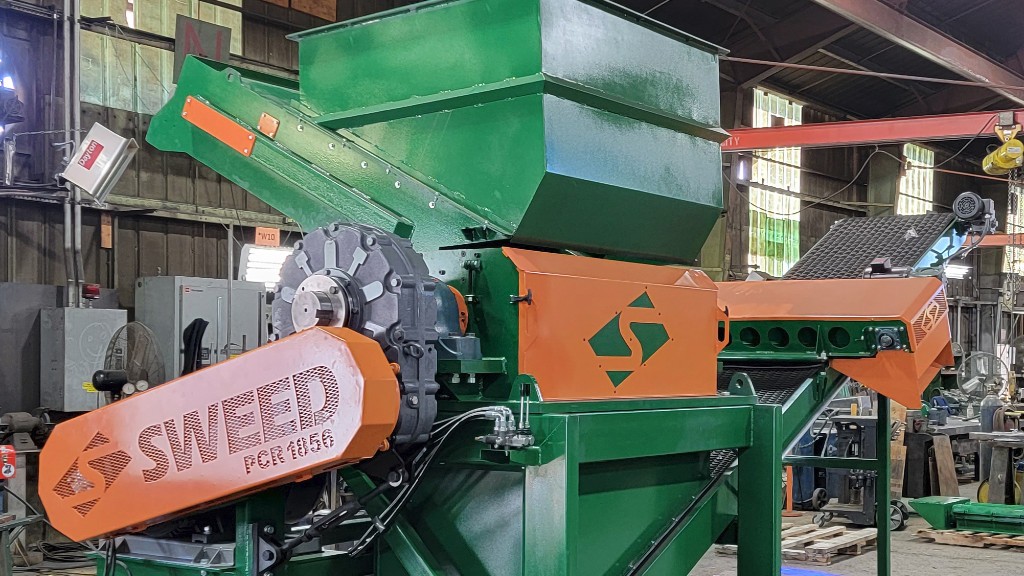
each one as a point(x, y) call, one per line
point(828, 171)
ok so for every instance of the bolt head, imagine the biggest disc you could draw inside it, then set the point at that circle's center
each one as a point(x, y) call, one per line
point(268, 529)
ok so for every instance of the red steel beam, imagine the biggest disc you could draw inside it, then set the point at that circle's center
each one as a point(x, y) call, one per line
point(862, 132)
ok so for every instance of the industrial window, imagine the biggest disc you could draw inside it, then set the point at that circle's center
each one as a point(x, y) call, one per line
point(774, 191)
point(917, 185)
point(122, 74)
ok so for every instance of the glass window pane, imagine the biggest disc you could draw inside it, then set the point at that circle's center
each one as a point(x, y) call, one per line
point(155, 68)
point(119, 67)
point(91, 81)
point(917, 185)
point(122, 74)
point(774, 185)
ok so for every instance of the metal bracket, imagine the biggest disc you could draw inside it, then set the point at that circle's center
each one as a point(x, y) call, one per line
point(268, 553)
point(740, 385)
point(888, 339)
point(1006, 127)
point(528, 298)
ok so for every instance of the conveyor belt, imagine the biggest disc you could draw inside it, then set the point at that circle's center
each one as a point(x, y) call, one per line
point(773, 384)
point(851, 244)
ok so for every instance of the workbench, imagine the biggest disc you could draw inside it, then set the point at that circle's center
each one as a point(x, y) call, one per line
point(1001, 472)
point(959, 431)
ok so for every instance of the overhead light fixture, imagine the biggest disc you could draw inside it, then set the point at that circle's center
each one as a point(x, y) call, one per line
point(957, 271)
point(262, 264)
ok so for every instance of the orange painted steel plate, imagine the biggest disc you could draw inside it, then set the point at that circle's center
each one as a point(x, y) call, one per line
point(918, 303)
point(601, 329)
point(229, 132)
point(847, 299)
point(281, 413)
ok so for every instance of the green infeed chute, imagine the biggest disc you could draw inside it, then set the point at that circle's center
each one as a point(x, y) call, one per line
point(550, 123)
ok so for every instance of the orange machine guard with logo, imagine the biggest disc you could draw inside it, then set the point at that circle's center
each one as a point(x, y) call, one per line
point(917, 303)
point(601, 329)
point(310, 402)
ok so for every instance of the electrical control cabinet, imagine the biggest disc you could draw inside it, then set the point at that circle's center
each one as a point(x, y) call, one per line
point(237, 321)
point(72, 347)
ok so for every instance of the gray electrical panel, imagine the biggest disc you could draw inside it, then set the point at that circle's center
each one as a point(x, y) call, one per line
point(168, 304)
point(72, 347)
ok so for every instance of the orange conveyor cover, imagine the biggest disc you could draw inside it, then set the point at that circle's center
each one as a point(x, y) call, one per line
point(918, 303)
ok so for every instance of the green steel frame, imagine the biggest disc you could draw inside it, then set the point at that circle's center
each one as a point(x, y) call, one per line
point(587, 499)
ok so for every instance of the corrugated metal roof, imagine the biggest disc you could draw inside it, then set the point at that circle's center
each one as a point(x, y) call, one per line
point(990, 26)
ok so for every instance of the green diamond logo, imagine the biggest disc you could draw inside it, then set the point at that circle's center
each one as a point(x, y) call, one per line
point(611, 342)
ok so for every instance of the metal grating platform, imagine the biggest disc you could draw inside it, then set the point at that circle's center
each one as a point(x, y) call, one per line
point(851, 244)
point(773, 385)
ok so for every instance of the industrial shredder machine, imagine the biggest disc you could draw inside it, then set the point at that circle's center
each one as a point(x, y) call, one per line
point(465, 335)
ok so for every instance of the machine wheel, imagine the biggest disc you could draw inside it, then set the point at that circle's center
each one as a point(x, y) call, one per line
point(983, 492)
point(823, 518)
point(819, 498)
point(903, 507)
point(897, 518)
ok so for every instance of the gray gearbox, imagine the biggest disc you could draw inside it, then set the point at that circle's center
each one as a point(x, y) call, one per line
point(373, 282)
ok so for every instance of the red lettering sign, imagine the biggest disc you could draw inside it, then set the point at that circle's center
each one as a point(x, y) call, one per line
point(92, 152)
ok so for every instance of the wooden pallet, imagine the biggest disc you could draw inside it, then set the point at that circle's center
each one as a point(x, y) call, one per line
point(848, 544)
point(971, 539)
point(808, 543)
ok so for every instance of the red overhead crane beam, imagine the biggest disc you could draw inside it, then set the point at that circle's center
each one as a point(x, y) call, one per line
point(862, 132)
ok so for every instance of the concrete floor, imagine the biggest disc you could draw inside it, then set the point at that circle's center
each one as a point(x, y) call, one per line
point(910, 556)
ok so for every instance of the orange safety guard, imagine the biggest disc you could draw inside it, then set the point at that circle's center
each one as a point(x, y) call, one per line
point(229, 132)
point(281, 413)
point(601, 329)
point(917, 303)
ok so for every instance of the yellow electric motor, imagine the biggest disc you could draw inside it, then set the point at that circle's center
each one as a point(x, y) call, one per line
point(1002, 160)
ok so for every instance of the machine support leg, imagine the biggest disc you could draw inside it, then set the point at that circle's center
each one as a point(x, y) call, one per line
point(760, 496)
point(1000, 476)
point(883, 492)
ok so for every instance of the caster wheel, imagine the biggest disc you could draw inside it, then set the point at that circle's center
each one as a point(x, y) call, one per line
point(897, 519)
point(819, 498)
point(822, 519)
point(903, 508)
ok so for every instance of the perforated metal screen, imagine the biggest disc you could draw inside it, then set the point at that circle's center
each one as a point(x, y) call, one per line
point(851, 244)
